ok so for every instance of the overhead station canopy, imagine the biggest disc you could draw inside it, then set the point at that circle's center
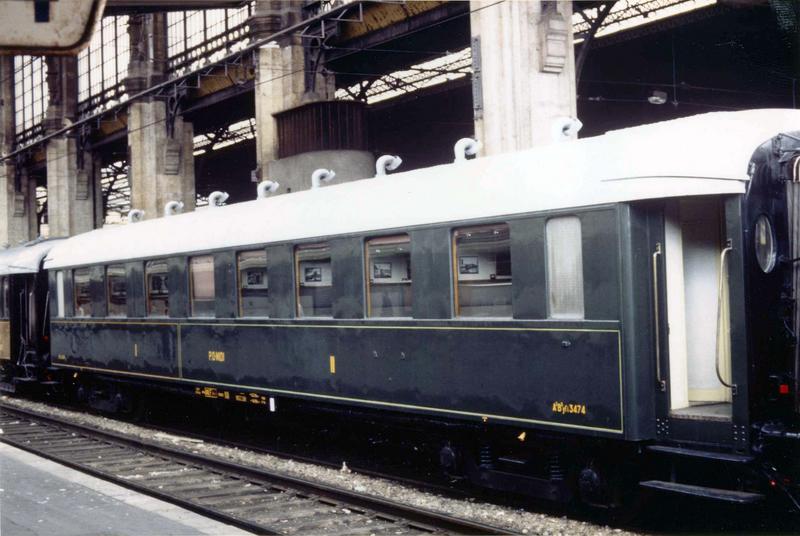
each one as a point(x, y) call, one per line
point(25, 259)
point(705, 154)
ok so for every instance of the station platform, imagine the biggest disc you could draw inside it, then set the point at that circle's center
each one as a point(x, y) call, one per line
point(40, 497)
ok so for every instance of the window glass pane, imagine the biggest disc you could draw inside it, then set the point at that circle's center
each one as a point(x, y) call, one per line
point(83, 298)
point(201, 272)
point(60, 293)
point(564, 268)
point(157, 289)
point(253, 285)
point(117, 283)
point(314, 281)
point(389, 276)
point(483, 271)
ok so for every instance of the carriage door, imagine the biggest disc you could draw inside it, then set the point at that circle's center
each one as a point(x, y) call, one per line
point(696, 259)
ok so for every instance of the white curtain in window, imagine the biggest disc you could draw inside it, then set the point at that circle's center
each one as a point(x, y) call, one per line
point(60, 293)
point(564, 268)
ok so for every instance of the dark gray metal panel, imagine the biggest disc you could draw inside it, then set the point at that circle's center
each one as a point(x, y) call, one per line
point(97, 289)
point(69, 294)
point(529, 283)
point(136, 296)
point(347, 265)
point(53, 287)
point(178, 283)
point(738, 320)
point(432, 273)
point(226, 299)
point(600, 264)
point(635, 280)
point(280, 273)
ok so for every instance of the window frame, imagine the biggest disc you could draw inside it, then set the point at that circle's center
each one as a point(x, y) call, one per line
point(191, 285)
point(109, 290)
point(75, 293)
point(239, 304)
point(551, 315)
point(147, 309)
point(297, 249)
point(455, 270)
point(368, 272)
point(61, 302)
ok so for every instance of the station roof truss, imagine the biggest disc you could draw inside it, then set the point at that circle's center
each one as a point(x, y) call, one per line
point(229, 63)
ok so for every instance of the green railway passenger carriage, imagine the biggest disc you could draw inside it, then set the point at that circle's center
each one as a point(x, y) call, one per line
point(570, 320)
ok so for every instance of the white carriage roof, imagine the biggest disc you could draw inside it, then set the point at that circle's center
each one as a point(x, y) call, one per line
point(25, 259)
point(700, 155)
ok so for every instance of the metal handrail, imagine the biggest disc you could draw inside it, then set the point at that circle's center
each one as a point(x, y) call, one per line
point(722, 282)
point(662, 384)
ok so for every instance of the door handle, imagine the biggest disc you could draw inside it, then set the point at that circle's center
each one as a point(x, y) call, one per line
point(660, 382)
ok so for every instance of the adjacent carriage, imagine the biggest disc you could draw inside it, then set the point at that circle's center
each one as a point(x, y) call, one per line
point(569, 319)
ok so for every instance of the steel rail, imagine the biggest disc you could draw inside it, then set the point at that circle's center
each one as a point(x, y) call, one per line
point(405, 515)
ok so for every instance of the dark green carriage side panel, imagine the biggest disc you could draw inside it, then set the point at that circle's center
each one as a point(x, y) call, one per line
point(226, 285)
point(431, 272)
point(280, 273)
point(347, 266)
point(130, 347)
point(523, 375)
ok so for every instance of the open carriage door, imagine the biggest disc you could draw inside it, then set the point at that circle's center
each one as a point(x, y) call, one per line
point(696, 256)
point(696, 262)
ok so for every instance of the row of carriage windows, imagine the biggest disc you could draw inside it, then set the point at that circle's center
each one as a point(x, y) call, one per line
point(482, 275)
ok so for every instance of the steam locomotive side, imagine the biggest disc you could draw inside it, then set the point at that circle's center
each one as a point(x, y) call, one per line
point(571, 321)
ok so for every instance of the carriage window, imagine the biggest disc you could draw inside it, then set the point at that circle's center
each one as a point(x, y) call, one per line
point(201, 270)
point(83, 298)
point(564, 267)
point(117, 290)
point(253, 284)
point(314, 280)
point(157, 289)
point(483, 271)
point(389, 276)
point(60, 294)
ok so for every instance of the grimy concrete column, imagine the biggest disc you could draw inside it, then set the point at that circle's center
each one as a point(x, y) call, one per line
point(280, 75)
point(161, 149)
point(17, 221)
point(284, 80)
point(524, 71)
point(70, 185)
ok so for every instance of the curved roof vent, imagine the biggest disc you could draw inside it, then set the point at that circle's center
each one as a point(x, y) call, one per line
point(565, 128)
point(465, 147)
point(265, 188)
point(215, 199)
point(173, 207)
point(135, 215)
point(387, 163)
point(321, 175)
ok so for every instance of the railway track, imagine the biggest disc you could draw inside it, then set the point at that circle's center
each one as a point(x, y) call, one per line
point(249, 498)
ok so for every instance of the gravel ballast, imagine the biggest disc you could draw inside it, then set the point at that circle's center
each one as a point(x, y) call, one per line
point(500, 516)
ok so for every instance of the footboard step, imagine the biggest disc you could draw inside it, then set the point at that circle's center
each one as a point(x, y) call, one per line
point(726, 495)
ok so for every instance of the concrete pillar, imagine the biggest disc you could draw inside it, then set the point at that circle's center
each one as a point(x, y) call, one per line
point(284, 81)
point(161, 165)
point(524, 71)
point(280, 74)
point(70, 184)
point(160, 147)
point(17, 221)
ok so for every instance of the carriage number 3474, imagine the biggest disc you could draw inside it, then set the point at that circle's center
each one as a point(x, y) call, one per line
point(564, 408)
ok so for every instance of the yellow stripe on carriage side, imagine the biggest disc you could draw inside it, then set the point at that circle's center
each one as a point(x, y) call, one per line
point(178, 325)
point(342, 398)
point(337, 326)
